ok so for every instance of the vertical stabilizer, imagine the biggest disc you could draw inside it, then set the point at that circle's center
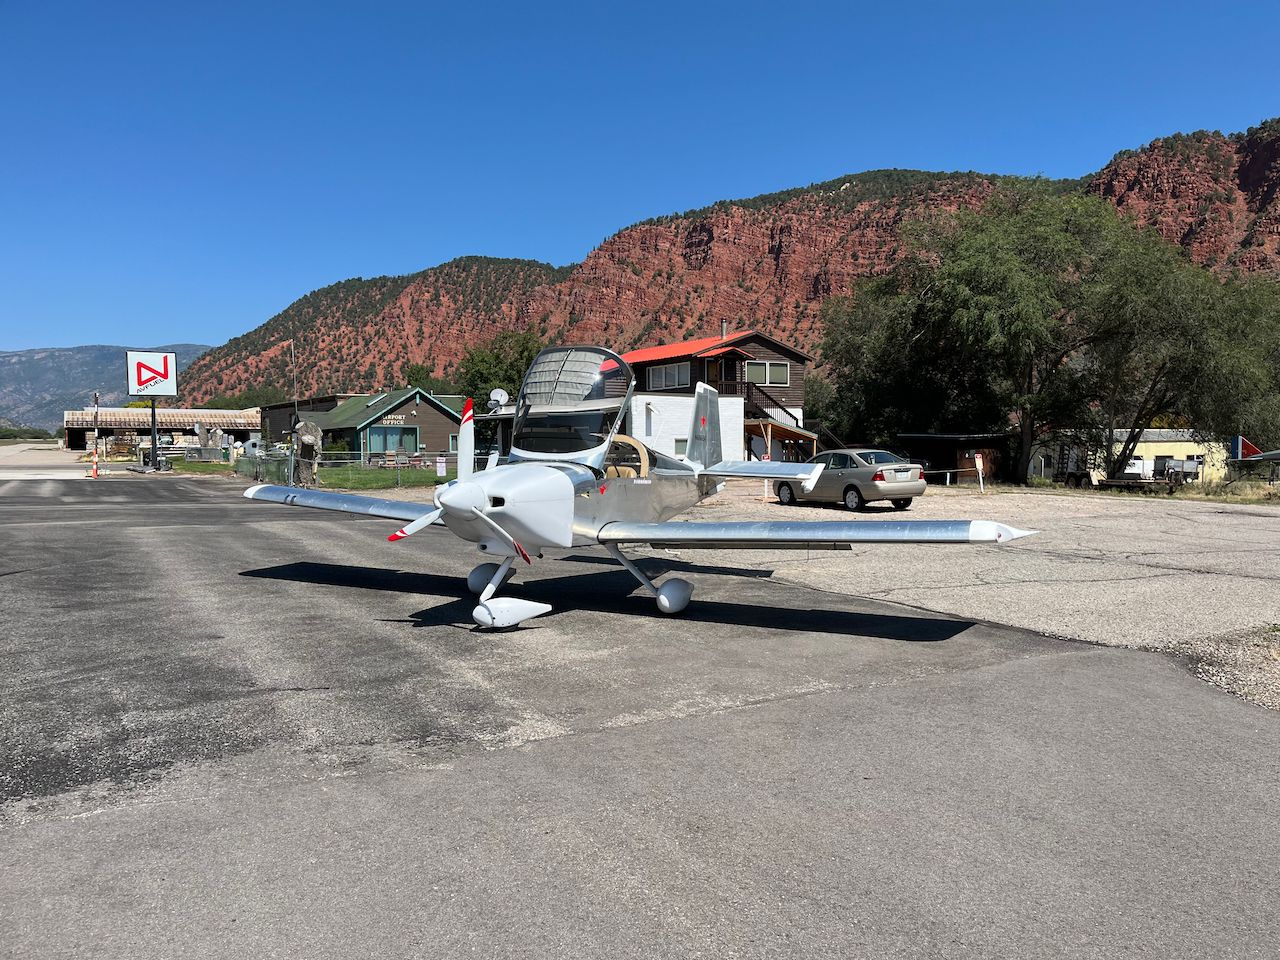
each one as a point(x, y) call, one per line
point(704, 431)
point(467, 442)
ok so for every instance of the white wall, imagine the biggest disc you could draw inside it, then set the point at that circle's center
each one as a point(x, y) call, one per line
point(657, 419)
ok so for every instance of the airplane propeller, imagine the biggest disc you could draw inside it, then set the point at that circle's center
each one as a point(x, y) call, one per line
point(409, 529)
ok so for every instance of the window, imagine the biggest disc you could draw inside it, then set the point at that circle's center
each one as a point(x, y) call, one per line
point(390, 439)
point(668, 376)
point(682, 446)
point(769, 373)
point(877, 457)
point(453, 443)
point(840, 461)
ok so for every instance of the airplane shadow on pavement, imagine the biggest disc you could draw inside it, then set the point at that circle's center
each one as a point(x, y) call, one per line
point(615, 591)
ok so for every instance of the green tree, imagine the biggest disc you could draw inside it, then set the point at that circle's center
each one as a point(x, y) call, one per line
point(421, 376)
point(1183, 348)
point(250, 397)
point(500, 363)
point(1046, 313)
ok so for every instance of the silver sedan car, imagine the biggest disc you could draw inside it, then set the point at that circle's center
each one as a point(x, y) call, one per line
point(858, 476)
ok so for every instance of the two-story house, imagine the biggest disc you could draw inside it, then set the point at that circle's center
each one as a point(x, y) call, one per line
point(764, 375)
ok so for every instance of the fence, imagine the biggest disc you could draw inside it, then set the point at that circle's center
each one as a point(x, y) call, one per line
point(948, 474)
point(352, 470)
point(272, 468)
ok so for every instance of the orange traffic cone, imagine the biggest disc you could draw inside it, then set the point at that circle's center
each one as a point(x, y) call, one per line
point(95, 464)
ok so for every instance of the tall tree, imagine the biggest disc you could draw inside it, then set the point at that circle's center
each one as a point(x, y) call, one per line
point(423, 377)
point(1047, 313)
point(500, 363)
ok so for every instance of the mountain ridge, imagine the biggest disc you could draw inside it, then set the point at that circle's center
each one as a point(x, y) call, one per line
point(767, 261)
point(38, 384)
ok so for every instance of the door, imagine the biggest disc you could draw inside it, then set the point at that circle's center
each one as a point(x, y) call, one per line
point(835, 478)
point(825, 460)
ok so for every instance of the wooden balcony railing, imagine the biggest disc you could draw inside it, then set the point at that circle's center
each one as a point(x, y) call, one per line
point(758, 401)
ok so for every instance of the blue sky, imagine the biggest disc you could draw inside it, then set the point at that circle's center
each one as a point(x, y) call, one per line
point(180, 172)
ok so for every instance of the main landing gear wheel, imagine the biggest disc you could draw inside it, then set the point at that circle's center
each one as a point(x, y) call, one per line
point(786, 496)
point(853, 499)
point(901, 503)
point(673, 596)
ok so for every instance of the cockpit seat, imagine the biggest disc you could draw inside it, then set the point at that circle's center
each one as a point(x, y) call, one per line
point(628, 459)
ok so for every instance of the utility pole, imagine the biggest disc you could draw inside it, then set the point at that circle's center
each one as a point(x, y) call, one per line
point(155, 438)
point(293, 362)
point(96, 399)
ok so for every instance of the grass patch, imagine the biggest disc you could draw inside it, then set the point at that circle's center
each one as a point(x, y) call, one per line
point(364, 478)
point(1245, 492)
point(216, 468)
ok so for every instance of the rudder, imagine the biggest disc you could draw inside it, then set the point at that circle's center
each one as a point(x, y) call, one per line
point(704, 448)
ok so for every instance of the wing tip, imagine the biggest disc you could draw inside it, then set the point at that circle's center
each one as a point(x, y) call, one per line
point(250, 493)
point(991, 531)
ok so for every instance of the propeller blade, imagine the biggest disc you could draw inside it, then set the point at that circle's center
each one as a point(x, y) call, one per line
point(497, 528)
point(409, 529)
point(467, 442)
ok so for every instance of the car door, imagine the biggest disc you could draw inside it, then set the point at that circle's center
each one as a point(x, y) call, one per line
point(832, 482)
point(859, 473)
point(825, 460)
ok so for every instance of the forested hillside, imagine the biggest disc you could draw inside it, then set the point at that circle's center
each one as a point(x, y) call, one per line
point(770, 262)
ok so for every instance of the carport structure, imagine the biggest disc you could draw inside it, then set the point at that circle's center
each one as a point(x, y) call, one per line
point(135, 423)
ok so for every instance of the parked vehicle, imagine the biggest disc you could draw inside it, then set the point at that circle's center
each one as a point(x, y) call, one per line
point(1081, 467)
point(858, 476)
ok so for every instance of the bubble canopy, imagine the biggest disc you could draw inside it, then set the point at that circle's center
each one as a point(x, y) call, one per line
point(571, 403)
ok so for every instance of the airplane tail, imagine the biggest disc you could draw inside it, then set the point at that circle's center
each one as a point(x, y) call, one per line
point(704, 448)
point(1242, 448)
point(467, 442)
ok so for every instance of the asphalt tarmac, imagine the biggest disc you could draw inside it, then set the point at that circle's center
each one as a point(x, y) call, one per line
point(239, 729)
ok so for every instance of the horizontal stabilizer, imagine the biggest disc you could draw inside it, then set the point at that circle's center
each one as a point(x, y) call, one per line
point(807, 473)
point(342, 502)
point(799, 534)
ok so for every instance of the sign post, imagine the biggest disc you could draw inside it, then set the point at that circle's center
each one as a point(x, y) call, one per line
point(152, 375)
point(977, 462)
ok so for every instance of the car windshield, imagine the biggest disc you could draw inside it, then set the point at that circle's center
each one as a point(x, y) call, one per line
point(571, 400)
point(876, 457)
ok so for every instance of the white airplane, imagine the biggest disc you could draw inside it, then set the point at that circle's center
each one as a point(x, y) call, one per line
point(573, 479)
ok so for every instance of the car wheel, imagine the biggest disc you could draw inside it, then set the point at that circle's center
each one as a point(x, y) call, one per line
point(901, 503)
point(786, 496)
point(853, 498)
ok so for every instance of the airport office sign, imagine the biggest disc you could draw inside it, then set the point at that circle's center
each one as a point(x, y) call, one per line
point(152, 374)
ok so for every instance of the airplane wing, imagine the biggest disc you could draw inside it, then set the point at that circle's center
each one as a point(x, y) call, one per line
point(800, 535)
point(343, 502)
point(808, 473)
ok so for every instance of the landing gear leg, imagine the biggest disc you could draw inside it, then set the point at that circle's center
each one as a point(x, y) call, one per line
point(487, 578)
point(673, 596)
point(498, 576)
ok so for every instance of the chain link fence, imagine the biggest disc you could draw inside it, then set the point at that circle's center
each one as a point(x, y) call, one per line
point(351, 471)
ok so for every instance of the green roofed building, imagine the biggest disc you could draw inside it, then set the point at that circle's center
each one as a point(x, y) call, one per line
point(409, 420)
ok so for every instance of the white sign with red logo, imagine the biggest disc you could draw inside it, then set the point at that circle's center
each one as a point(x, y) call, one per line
point(152, 374)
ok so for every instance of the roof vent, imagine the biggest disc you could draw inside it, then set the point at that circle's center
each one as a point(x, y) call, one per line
point(375, 399)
